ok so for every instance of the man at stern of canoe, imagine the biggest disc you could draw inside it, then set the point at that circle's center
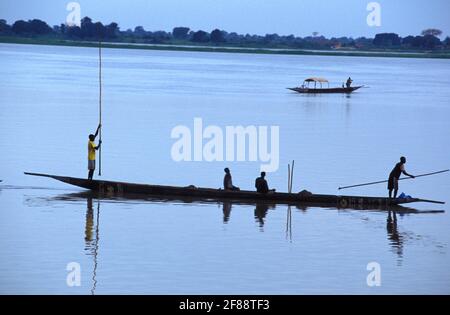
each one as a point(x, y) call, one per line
point(91, 152)
point(398, 169)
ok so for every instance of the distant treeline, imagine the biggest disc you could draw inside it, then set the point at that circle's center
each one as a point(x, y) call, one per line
point(91, 31)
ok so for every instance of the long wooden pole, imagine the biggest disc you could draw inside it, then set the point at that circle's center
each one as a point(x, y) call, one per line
point(292, 176)
point(385, 181)
point(100, 106)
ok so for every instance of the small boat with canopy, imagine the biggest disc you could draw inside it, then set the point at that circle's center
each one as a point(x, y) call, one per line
point(307, 87)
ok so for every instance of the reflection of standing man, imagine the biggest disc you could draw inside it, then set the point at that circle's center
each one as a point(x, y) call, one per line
point(91, 237)
point(398, 169)
point(89, 229)
point(393, 235)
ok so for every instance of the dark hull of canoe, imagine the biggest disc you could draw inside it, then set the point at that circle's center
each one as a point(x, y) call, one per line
point(325, 90)
point(121, 189)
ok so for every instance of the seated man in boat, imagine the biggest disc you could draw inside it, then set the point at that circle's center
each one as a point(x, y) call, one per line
point(227, 181)
point(91, 152)
point(349, 82)
point(261, 184)
point(398, 169)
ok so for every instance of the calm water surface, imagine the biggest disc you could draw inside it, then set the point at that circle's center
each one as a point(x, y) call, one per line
point(48, 106)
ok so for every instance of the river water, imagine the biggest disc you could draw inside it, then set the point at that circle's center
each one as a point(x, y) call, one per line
point(49, 104)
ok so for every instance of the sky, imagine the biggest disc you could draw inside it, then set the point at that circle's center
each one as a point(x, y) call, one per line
point(331, 18)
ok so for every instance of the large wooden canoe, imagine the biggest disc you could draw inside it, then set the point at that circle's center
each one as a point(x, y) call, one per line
point(123, 189)
point(306, 90)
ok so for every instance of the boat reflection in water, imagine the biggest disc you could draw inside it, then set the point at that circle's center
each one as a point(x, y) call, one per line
point(92, 226)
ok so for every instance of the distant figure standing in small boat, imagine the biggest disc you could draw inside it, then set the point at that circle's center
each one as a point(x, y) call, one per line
point(398, 169)
point(261, 184)
point(228, 181)
point(91, 152)
point(349, 82)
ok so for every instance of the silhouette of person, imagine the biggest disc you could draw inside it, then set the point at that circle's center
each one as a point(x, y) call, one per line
point(228, 181)
point(91, 152)
point(398, 169)
point(349, 82)
point(261, 184)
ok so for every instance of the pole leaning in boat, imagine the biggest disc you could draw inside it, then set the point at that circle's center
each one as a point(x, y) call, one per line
point(290, 176)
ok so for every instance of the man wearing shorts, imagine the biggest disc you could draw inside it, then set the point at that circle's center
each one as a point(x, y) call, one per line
point(398, 169)
point(91, 152)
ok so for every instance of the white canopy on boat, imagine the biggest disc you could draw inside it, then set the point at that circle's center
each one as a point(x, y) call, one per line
point(315, 80)
point(321, 80)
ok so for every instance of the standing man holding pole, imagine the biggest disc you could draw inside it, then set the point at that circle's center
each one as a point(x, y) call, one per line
point(91, 152)
point(398, 169)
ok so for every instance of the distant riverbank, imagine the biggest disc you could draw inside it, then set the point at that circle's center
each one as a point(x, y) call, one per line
point(229, 49)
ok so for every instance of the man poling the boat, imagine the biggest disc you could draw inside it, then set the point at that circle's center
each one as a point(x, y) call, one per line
point(228, 181)
point(261, 184)
point(398, 169)
point(91, 152)
point(349, 82)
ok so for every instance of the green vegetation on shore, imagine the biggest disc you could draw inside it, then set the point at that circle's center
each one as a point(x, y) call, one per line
point(173, 47)
point(88, 34)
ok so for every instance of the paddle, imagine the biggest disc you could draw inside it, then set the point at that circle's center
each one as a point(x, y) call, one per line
point(385, 181)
